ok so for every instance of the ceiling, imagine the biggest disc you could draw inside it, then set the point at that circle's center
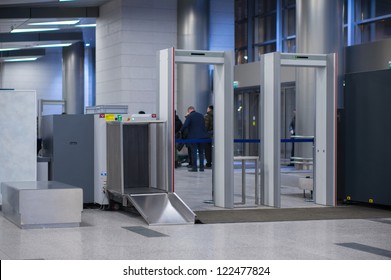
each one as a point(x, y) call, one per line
point(16, 14)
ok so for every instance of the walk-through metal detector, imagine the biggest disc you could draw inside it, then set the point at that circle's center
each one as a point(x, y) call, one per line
point(223, 115)
point(325, 135)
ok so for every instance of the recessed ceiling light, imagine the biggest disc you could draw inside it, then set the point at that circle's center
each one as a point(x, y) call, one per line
point(86, 25)
point(9, 49)
point(62, 22)
point(21, 59)
point(53, 45)
point(33, 30)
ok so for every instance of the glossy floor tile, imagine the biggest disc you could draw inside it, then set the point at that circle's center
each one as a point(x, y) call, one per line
point(121, 235)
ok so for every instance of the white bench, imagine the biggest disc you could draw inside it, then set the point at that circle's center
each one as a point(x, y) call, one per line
point(37, 204)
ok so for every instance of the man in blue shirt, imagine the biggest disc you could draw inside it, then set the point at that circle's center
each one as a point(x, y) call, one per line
point(195, 126)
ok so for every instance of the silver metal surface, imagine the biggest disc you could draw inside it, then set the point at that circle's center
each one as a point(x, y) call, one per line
point(325, 149)
point(31, 204)
point(319, 30)
point(223, 119)
point(73, 78)
point(42, 170)
point(223, 132)
point(166, 113)
point(270, 129)
point(114, 157)
point(243, 160)
point(107, 109)
point(199, 57)
point(193, 81)
point(199, 54)
point(158, 153)
point(162, 208)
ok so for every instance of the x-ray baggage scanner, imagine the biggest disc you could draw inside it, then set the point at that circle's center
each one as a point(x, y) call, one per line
point(137, 171)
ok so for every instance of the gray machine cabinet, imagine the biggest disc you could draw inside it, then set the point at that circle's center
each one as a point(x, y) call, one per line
point(367, 136)
point(69, 141)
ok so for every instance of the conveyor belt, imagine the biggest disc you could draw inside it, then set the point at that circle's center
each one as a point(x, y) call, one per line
point(161, 208)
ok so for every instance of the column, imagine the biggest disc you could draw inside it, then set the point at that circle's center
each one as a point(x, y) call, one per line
point(319, 30)
point(193, 86)
point(73, 78)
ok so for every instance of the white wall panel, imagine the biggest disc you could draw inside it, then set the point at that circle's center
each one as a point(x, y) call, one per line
point(43, 75)
point(18, 141)
point(127, 64)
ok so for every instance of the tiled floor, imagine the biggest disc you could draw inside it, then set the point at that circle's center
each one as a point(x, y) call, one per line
point(125, 235)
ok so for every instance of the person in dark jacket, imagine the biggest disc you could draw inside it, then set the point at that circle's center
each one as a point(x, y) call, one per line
point(178, 146)
point(292, 131)
point(195, 126)
point(209, 128)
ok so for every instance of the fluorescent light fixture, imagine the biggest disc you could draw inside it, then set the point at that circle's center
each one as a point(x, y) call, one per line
point(9, 49)
point(86, 25)
point(53, 45)
point(66, 0)
point(21, 59)
point(88, 44)
point(33, 30)
point(63, 22)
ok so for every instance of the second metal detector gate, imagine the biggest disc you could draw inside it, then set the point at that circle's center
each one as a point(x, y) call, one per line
point(325, 122)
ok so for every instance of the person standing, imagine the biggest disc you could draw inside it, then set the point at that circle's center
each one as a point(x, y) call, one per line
point(184, 135)
point(209, 128)
point(196, 130)
point(178, 126)
point(292, 131)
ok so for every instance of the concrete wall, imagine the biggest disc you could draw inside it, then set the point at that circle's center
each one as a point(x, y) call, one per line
point(43, 75)
point(18, 141)
point(128, 36)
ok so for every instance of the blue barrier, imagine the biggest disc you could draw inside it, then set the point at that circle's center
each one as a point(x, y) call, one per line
point(209, 140)
point(298, 140)
point(247, 141)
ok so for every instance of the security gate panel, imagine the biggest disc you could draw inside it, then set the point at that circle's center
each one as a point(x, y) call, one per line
point(324, 175)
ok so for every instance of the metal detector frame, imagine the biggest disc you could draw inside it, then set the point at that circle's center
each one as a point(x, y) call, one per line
point(223, 187)
point(325, 124)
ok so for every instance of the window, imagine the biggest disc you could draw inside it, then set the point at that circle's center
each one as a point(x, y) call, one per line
point(241, 31)
point(265, 23)
point(263, 26)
